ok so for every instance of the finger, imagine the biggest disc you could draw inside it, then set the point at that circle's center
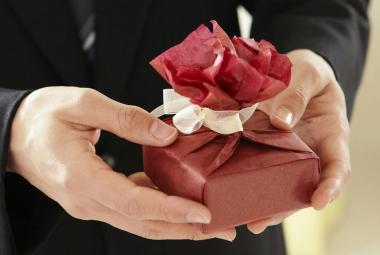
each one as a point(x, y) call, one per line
point(141, 179)
point(129, 122)
point(158, 230)
point(336, 169)
point(258, 227)
point(327, 191)
point(88, 209)
point(117, 192)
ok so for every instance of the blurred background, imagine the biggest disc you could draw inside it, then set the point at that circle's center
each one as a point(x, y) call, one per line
point(351, 225)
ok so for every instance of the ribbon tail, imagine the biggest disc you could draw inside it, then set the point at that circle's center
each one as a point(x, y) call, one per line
point(158, 112)
point(246, 113)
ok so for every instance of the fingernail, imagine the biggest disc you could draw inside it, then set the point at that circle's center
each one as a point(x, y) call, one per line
point(285, 115)
point(224, 236)
point(195, 217)
point(162, 131)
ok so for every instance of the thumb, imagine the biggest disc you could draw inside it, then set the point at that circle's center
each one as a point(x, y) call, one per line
point(288, 107)
point(126, 121)
point(310, 75)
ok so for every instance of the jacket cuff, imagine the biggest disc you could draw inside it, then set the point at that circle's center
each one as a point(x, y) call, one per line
point(9, 102)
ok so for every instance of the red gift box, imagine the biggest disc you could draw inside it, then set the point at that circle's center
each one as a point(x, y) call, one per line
point(242, 177)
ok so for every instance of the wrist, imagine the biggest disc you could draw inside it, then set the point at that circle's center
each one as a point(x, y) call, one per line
point(22, 121)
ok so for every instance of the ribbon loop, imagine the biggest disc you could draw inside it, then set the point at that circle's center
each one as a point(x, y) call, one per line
point(190, 117)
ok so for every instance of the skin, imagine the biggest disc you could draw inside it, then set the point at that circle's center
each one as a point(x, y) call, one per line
point(55, 131)
point(52, 145)
point(314, 107)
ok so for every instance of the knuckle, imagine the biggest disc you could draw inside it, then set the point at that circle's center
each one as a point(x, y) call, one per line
point(67, 182)
point(193, 237)
point(344, 172)
point(84, 94)
point(164, 211)
point(128, 117)
point(82, 97)
point(310, 69)
point(347, 173)
point(78, 98)
point(152, 233)
point(299, 97)
point(342, 128)
point(77, 211)
point(315, 73)
point(130, 206)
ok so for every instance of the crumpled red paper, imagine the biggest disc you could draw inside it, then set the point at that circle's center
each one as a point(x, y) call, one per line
point(241, 177)
point(220, 73)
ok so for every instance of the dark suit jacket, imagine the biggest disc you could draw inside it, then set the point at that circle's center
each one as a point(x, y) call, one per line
point(39, 47)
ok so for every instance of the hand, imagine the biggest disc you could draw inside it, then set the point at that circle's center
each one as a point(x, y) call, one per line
point(52, 145)
point(314, 107)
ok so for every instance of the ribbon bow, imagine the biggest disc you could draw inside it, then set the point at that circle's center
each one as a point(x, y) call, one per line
point(190, 117)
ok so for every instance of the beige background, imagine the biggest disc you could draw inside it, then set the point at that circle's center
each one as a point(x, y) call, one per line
point(351, 226)
point(358, 230)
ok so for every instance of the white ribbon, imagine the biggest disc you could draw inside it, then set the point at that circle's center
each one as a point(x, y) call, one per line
point(190, 117)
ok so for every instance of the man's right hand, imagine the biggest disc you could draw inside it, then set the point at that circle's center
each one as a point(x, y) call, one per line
point(52, 145)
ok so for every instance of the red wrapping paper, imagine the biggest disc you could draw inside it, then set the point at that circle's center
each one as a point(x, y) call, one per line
point(245, 176)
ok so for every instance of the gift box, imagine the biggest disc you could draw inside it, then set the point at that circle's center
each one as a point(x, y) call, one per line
point(240, 178)
point(228, 156)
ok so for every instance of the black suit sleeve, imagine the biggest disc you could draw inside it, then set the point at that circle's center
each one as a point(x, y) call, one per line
point(9, 101)
point(335, 29)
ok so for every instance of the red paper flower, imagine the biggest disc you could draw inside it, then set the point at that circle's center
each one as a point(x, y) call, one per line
point(220, 73)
